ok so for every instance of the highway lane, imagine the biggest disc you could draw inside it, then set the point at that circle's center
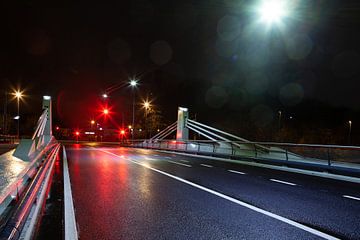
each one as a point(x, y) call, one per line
point(118, 195)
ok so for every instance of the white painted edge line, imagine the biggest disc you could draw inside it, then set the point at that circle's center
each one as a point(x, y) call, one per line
point(351, 197)
point(71, 232)
point(206, 165)
point(236, 201)
point(233, 171)
point(182, 164)
point(280, 168)
point(283, 182)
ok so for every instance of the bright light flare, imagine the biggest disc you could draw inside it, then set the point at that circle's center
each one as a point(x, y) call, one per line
point(92, 122)
point(146, 104)
point(272, 11)
point(77, 133)
point(18, 94)
point(106, 111)
point(105, 95)
point(122, 132)
point(133, 83)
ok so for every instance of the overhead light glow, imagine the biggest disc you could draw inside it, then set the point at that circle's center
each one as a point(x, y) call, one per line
point(46, 97)
point(272, 11)
point(133, 83)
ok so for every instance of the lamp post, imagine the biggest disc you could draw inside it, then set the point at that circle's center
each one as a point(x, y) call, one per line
point(349, 135)
point(133, 84)
point(18, 95)
point(146, 105)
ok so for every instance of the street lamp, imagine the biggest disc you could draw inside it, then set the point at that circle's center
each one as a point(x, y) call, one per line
point(349, 136)
point(273, 11)
point(105, 95)
point(18, 94)
point(133, 83)
point(147, 105)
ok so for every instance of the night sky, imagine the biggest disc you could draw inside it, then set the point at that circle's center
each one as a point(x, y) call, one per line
point(212, 56)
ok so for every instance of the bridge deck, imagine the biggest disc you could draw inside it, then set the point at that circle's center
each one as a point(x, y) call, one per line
point(122, 193)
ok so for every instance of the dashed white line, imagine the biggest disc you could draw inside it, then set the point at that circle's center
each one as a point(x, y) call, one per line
point(183, 161)
point(283, 182)
point(205, 165)
point(233, 171)
point(182, 164)
point(351, 197)
point(239, 202)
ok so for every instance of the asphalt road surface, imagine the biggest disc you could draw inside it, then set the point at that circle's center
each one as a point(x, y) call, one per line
point(122, 193)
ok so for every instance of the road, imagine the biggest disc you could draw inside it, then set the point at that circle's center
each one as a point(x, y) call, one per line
point(122, 193)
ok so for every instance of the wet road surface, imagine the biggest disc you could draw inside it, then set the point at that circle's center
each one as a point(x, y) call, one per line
point(122, 193)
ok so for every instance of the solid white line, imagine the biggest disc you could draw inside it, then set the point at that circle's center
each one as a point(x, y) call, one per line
point(205, 165)
point(279, 181)
point(70, 222)
point(182, 164)
point(351, 197)
point(233, 171)
point(241, 203)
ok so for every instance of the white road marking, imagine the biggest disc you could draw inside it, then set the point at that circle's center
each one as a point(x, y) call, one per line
point(233, 171)
point(283, 182)
point(70, 221)
point(168, 157)
point(183, 161)
point(156, 155)
point(182, 164)
point(205, 165)
point(241, 203)
point(351, 197)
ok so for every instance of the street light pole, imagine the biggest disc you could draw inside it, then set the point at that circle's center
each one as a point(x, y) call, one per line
point(18, 114)
point(133, 84)
point(349, 136)
point(133, 117)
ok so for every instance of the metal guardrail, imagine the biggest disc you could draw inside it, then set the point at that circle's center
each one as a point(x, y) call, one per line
point(331, 156)
point(27, 195)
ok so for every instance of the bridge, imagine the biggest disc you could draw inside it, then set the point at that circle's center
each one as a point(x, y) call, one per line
point(220, 187)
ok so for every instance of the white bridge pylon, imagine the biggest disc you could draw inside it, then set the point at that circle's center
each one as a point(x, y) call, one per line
point(184, 124)
point(42, 135)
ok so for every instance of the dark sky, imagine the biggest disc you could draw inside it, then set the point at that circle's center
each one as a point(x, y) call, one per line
point(212, 56)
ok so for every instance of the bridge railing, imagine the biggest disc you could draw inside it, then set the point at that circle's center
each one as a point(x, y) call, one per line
point(332, 156)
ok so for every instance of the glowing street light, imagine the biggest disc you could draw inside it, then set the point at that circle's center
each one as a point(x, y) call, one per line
point(106, 111)
point(146, 105)
point(273, 11)
point(105, 95)
point(18, 94)
point(92, 122)
point(133, 83)
point(349, 136)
